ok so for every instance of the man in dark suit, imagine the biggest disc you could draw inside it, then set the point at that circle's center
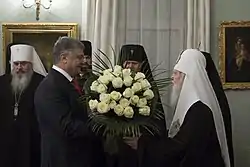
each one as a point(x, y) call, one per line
point(66, 140)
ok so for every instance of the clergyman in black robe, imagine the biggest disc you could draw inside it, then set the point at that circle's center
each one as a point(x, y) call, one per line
point(20, 139)
point(197, 136)
point(135, 58)
point(86, 71)
point(84, 79)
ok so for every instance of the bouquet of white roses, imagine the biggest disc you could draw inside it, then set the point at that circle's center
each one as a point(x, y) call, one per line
point(122, 92)
point(123, 102)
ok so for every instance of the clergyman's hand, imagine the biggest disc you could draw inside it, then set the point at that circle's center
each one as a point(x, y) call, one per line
point(131, 141)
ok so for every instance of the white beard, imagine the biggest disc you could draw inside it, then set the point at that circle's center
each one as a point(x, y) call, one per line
point(20, 82)
point(175, 93)
point(176, 90)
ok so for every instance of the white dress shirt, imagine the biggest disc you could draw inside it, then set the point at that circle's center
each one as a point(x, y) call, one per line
point(64, 73)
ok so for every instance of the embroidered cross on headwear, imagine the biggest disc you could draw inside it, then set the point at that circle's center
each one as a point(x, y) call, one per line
point(132, 51)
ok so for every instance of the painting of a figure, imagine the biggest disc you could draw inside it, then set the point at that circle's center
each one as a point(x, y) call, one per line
point(41, 36)
point(42, 42)
point(235, 55)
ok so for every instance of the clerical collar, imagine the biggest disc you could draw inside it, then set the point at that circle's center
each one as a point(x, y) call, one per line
point(64, 73)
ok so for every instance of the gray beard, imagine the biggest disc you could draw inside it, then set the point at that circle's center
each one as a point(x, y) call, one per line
point(175, 93)
point(20, 82)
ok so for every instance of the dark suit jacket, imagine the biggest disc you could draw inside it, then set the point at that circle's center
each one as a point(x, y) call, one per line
point(66, 140)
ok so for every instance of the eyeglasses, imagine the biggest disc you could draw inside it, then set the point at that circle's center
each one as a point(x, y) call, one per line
point(21, 63)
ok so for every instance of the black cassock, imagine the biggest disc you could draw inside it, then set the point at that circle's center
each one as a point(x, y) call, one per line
point(195, 145)
point(126, 156)
point(20, 138)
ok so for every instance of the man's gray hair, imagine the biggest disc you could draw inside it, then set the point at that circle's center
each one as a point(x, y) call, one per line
point(65, 44)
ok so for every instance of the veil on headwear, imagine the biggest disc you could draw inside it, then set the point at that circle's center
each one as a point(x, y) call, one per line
point(222, 99)
point(197, 87)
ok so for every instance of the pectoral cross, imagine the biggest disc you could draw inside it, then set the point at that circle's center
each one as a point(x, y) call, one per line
point(16, 109)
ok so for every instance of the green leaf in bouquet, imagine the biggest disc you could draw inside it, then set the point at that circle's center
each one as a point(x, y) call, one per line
point(160, 73)
point(96, 71)
point(147, 71)
point(114, 54)
point(98, 66)
point(102, 62)
point(111, 65)
point(148, 129)
point(158, 115)
point(155, 67)
point(161, 83)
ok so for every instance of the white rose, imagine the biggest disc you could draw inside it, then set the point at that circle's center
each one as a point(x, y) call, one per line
point(94, 85)
point(124, 102)
point(135, 99)
point(93, 88)
point(107, 71)
point(104, 97)
point(127, 81)
point(102, 107)
point(128, 93)
point(93, 104)
point(118, 70)
point(104, 79)
point(145, 84)
point(117, 82)
point(115, 95)
point(116, 75)
point(144, 110)
point(110, 76)
point(139, 76)
point(119, 110)
point(149, 94)
point(142, 102)
point(128, 112)
point(126, 72)
point(112, 104)
point(102, 88)
point(136, 87)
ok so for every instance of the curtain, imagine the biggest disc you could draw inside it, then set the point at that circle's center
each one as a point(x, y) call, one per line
point(198, 24)
point(101, 26)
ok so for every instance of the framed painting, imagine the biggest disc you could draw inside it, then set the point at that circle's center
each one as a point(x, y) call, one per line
point(41, 36)
point(234, 53)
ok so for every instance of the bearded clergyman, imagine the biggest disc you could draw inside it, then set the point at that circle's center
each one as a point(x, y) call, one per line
point(198, 135)
point(20, 136)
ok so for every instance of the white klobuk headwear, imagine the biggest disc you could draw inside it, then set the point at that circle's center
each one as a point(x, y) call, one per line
point(21, 52)
point(197, 87)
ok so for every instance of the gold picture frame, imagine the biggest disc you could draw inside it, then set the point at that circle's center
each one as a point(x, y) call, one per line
point(41, 36)
point(234, 54)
